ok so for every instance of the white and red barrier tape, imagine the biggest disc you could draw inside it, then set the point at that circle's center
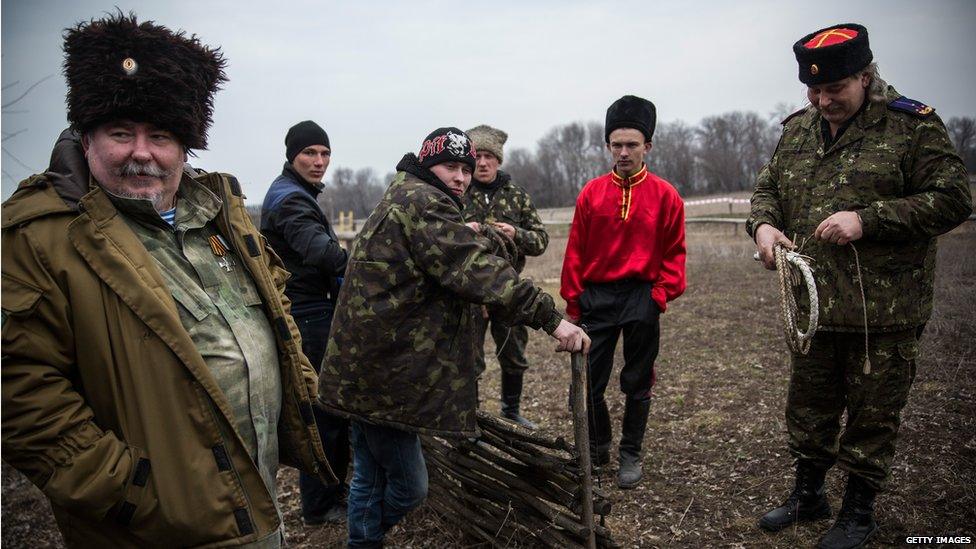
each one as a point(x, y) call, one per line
point(726, 200)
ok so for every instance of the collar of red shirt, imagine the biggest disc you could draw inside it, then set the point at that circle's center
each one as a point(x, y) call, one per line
point(624, 182)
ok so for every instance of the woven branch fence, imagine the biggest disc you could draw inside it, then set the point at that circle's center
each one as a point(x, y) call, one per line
point(512, 487)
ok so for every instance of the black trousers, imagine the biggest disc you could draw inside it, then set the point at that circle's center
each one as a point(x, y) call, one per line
point(318, 498)
point(609, 310)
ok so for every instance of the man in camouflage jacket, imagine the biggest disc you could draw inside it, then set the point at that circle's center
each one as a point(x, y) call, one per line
point(865, 166)
point(493, 200)
point(400, 360)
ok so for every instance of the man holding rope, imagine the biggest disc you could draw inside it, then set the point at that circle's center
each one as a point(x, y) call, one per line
point(861, 164)
point(495, 201)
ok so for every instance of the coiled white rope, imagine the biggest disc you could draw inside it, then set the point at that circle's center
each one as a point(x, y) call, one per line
point(793, 271)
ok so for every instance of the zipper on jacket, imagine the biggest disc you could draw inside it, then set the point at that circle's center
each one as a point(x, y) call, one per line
point(296, 370)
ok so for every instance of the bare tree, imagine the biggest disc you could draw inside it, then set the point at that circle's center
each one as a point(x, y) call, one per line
point(962, 131)
point(733, 147)
point(525, 171)
point(8, 108)
point(351, 190)
point(673, 156)
point(568, 156)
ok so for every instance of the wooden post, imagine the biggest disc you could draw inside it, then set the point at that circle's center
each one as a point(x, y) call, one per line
point(581, 431)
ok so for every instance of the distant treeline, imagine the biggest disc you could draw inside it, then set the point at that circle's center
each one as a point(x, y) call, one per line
point(723, 153)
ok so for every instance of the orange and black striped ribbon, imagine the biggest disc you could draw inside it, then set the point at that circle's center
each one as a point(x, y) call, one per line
point(217, 246)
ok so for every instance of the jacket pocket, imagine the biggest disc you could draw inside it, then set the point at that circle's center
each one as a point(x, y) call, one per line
point(19, 298)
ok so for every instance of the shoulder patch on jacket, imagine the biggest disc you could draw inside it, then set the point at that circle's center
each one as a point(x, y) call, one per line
point(911, 106)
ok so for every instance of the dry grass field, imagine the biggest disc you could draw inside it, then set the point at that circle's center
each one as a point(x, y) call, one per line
point(716, 446)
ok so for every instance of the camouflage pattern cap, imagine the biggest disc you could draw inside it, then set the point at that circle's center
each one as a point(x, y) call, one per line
point(833, 53)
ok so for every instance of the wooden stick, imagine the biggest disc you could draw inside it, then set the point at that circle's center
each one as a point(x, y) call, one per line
point(577, 394)
point(486, 420)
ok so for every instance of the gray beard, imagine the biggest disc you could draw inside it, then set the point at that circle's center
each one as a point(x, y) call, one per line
point(156, 198)
point(150, 169)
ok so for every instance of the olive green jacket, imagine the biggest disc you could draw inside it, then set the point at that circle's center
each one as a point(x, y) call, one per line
point(107, 405)
point(402, 350)
point(902, 175)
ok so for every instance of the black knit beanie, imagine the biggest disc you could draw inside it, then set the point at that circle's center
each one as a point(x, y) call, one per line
point(302, 135)
point(632, 112)
point(446, 145)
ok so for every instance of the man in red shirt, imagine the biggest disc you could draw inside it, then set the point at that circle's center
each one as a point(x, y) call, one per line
point(625, 260)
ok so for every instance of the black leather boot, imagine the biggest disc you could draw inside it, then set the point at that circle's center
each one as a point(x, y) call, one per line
point(806, 502)
point(600, 434)
point(855, 522)
point(512, 399)
point(631, 441)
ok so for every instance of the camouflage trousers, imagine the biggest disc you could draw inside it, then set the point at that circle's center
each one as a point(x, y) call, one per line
point(829, 380)
point(510, 343)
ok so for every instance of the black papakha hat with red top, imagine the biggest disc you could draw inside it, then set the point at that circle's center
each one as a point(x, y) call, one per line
point(119, 68)
point(833, 53)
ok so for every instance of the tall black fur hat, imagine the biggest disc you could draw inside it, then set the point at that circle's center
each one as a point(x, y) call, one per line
point(117, 67)
point(632, 112)
point(833, 53)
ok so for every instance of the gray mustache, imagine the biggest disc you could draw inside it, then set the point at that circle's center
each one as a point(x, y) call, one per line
point(150, 169)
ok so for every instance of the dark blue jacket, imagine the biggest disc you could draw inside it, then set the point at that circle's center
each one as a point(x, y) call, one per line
point(299, 232)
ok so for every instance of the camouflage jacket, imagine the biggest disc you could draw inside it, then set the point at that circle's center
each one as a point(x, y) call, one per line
point(402, 351)
point(900, 172)
point(510, 204)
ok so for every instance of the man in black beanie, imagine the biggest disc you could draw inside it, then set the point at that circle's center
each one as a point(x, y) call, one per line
point(625, 260)
point(300, 233)
point(401, 360)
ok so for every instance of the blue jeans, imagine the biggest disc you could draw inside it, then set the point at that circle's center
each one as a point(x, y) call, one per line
point(389, 479)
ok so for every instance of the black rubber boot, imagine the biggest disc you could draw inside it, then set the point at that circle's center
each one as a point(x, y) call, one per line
point(855, 522)
point(806, 502)
point(512, 399)
point(600, 434)
point(631, 441)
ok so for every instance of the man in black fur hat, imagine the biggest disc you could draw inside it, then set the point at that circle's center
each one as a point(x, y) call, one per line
point(625, 260)
point(152, 377)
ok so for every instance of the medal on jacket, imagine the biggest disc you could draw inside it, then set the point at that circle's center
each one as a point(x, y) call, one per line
point(219, 248)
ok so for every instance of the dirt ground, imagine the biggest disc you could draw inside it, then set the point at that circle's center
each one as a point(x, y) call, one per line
point(716, 454)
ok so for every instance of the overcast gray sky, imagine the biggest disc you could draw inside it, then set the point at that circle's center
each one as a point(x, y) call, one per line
point(378, 76)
